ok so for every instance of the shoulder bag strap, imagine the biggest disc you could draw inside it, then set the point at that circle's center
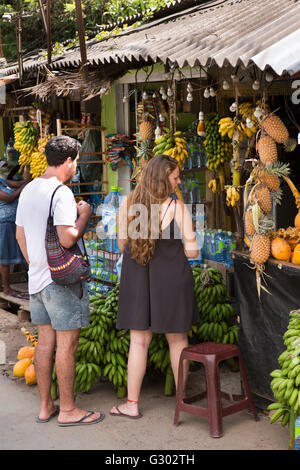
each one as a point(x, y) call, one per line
point(52, 198)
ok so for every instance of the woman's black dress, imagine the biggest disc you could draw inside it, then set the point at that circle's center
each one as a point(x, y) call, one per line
point(159, 295)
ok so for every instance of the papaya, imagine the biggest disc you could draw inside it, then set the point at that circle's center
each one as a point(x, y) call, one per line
point(26, 352)
point(21, 366)
point(296, 254)
point(30, 376)
point(281, 249)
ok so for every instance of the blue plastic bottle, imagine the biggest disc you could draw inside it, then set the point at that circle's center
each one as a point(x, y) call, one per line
point(109, 218)
point(230, 248)
point(220, 247)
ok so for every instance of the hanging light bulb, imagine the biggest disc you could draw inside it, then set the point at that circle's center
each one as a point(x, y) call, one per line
point(189, 87)
point(255, 85)
point(233, 107)
point(145, 95)
point(212, 92)
point(102, 90)
point(225, 85)
point(154, 95)
point(170, 92)
point(162, 90)
point(189, 97)
point(206, 93)
point(157, 131)
point(234, 78)
point(249, 123)
point(161, 117)
point(125, 99)
point(269, 77)
point(258, 112)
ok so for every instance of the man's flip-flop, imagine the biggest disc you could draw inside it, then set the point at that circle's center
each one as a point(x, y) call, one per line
point(80, 422)
point(55, 413)
point(125, 415)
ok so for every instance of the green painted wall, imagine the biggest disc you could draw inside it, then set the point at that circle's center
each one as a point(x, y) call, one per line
point(108, 120)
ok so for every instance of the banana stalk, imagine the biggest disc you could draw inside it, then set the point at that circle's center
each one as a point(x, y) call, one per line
point(294, 190)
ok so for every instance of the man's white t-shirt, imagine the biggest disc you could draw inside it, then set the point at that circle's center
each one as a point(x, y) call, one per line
point(32, 215)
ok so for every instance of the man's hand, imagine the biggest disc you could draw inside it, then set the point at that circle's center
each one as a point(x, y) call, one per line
point(83, 208)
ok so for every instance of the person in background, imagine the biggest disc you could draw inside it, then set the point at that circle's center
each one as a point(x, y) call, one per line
point(59, 311)
point(156, 285)
point(10, 253)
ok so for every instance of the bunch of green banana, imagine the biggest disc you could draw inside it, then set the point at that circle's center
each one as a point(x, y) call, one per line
point(216, 312)
point(286, 381)
point(159, 359)
point(115, 360)
point(172, 145)
point(87, 373)
point(218, 148)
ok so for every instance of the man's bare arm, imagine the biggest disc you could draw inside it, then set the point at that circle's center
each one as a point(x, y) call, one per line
point(20, 236)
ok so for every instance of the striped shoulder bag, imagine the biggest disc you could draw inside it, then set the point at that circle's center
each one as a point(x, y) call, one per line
point(67, 265)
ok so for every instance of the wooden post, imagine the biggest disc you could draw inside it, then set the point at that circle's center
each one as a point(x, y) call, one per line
point(104, 171)
point(58, 127)
point(49, 43)
point(81, 34)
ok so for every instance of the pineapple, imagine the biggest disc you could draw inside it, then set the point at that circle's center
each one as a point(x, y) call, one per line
point(263, 198)
point(249, 225)
point(145, 149)
point(270, 175)
point(276, 129)
point(146, 128)
point(267, 150)
point(260, 248)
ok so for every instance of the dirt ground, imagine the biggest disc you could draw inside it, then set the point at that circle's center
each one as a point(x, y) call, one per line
point(155, 431)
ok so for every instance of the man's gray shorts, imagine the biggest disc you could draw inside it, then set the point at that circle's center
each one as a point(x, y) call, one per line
point(64, 307)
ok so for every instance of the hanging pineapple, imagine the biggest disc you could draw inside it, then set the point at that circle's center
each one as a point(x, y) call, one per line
point(267, 150)
point(146, 128)
point(276, 129)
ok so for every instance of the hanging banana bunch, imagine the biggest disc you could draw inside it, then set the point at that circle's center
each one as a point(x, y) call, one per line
point(25, 135)
point(232, 195)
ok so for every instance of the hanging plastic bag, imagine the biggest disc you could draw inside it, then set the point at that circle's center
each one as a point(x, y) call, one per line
point(91, 144)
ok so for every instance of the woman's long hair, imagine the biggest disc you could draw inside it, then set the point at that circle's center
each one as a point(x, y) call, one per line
point(154, 187)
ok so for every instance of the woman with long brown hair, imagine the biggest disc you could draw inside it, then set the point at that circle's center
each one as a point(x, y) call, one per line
point(156, 236)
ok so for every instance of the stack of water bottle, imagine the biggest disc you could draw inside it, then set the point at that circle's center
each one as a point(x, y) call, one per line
point(190, 190)
point(218, 246)
point(104, 254)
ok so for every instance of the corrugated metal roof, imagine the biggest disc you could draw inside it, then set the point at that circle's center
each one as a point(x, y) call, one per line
point(224, 31)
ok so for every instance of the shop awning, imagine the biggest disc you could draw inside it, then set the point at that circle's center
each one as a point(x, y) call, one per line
point(218, 32)
point(284, 55)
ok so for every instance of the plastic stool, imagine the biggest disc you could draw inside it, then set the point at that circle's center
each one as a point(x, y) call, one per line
point(210, 355)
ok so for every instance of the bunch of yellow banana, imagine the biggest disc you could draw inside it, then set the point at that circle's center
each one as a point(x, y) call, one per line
point(214, 186)
point(25, 141)
point(172, 145)
point(227, 126)
point(38, 163)
point(247, 110)
point(248, 131)
point(232, 195)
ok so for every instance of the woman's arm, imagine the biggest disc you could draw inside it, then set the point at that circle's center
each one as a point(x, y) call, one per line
point(184, 220)
point(122, 224)
point(10, 197)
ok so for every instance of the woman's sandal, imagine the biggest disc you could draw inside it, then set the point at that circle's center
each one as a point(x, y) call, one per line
point(125, 415)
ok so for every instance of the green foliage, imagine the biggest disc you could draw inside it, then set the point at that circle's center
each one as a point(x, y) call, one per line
point(63, 21)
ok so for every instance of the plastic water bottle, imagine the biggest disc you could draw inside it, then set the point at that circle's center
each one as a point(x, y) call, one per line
point(220, 247)
point(230, 248)
point(297, 433)
point(196, 191)
point(110, 209)
point(76, 179)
